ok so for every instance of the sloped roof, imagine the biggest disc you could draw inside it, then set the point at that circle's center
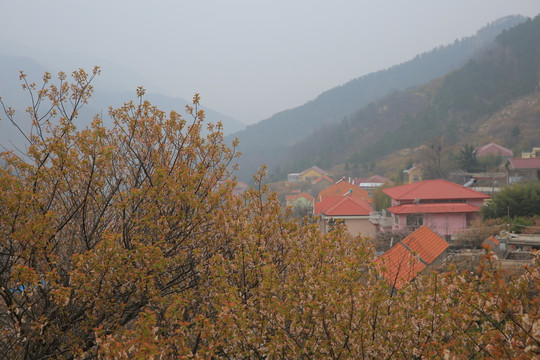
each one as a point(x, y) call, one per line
point(493, 149)
point(426, 243)
point(433, 208)
point(314, 168)
point(401, 266)
point(519, 163)
point(346, 206)
point(494, 240)
point(411, 255)
point(372, 179)
point(323, 177)
point(326, 203)
point(433, 190)
point(293, 197)
point(341, 188)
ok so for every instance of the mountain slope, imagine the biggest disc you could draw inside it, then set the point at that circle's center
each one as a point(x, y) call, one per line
point(461, 107)
point(267, 141)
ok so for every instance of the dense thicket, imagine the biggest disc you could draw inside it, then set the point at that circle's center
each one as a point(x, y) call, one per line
point(128, 243)
point(519, 200)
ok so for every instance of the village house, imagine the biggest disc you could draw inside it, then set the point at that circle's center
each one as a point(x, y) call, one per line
point(447, 208)
point(346, 203)
point(371, 183)
point(312, 174)
point(414, 174)
point(519, 170)
point(309, 175)
point(513, 246)
point(353, 212)
point(343, 187)
point(405, 260)
point(535, 152)
point(493, 149)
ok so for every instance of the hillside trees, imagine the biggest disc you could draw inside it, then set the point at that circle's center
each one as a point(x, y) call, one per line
point(519, 200)
point(126, 242)
point(467, 158)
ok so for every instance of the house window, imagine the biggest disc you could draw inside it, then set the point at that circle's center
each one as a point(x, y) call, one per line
point(416, 178)
point(415, 220)
point(396, 219)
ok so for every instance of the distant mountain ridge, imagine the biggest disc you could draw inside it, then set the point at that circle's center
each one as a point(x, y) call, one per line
point(493, 97)
point(268, 141)
point(108, 92)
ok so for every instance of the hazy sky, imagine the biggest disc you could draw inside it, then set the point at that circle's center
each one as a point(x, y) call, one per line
point(250, 58)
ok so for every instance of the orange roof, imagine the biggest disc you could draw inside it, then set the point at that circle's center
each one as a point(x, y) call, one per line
point(323, 177)
point(293, 197)
point(342, 206)
point(494, 240)
point(426, 243)
point(411, 255)
point(433, 208)
point(401, 266)
point(325, 203)
point(433, 190)
point(341, 188)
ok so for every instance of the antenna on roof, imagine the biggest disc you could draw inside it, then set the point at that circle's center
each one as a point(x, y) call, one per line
point(348, 192)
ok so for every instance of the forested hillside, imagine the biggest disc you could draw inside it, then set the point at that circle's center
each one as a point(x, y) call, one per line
point(268, 141)
point(497, 86)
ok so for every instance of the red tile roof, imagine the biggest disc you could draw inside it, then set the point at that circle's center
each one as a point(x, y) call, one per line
point(493, 149)
point(341, 188)
point(433, 208)
point(519, 163)
point(494, 240)
point(433, 190)
point(400, 266)
point(293, 197)
point(325, 203)
point(347, 206)
point(411, 255)
point(426, 243)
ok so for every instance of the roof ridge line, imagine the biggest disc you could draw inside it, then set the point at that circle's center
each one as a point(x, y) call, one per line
point(413, 253)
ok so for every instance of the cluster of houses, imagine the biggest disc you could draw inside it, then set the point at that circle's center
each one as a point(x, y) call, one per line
point(433, 212)
point(516, 169)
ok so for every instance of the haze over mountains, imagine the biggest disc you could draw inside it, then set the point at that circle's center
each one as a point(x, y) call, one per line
point(319, 132)
point(115, 85)
point(356, 122)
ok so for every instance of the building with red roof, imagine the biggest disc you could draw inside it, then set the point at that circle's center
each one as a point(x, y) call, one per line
point(445, 207)
point(405, 260)
point(519, 170)
point(494, 150)
point(342, 187)
point(353, 212)
point(371, 183)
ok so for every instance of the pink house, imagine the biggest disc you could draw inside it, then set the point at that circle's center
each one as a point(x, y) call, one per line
point(495, 150)
point(447, 208)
